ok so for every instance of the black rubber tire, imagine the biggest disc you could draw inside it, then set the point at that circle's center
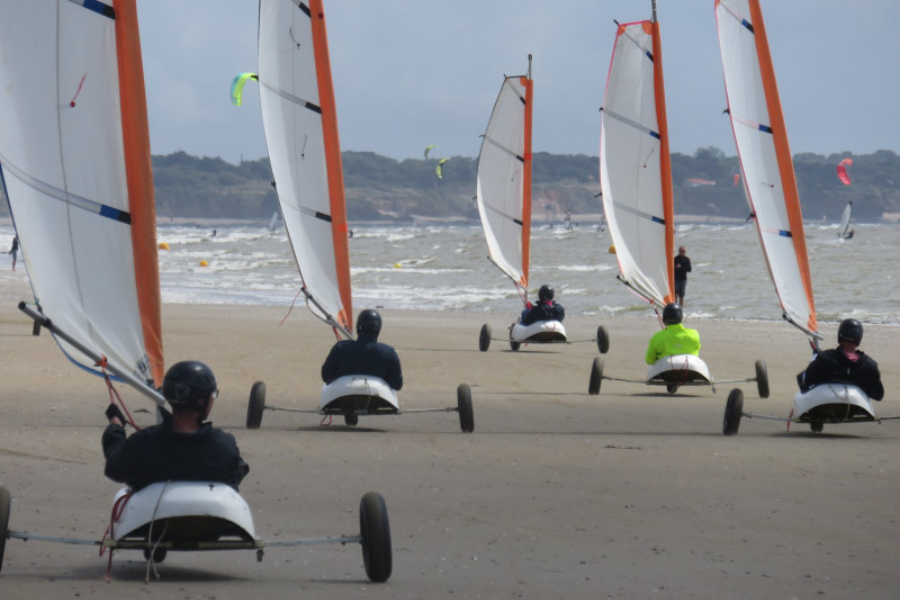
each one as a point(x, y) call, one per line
point(671, 388)
point(257, 405)
point(4, 521)
point(484, 340)
point(596, 377)
point(159, 555)
point(464, 404)
point(351, 420)
point(602, 340)
point(817, 427)
point(762, 379)
point(375, 531)
point(734, 410)
point(36, 329)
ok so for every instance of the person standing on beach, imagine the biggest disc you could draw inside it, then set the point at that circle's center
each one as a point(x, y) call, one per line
point(14, 251)
point(674, 339)
point(182, 447)
point(365, 355)
point(546, 308)
point(682, 268)
point(844, 364)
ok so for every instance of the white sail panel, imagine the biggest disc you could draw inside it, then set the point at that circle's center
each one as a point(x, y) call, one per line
point(845, 220)
point(62, 159)
point(759, 136)
point(636, 197)
point(296, 135)
point(502, 193)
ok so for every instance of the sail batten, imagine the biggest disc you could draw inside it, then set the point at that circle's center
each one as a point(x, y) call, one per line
point(760, 135)
point(635, 172)
point(300, 120)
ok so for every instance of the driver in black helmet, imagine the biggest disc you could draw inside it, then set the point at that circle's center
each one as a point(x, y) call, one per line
point(675, 338)
point(365, 355)
point(181, 448)
point(546, 308)
point(845, 364)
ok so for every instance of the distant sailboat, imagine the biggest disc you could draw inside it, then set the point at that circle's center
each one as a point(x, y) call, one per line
point(76, 171)
point(844, 231)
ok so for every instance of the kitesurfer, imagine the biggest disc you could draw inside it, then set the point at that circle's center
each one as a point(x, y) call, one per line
point(682, 268)
point(675, 338)
point(546, 308)
point(181, 448)
point(844, 364)
point(365, 355)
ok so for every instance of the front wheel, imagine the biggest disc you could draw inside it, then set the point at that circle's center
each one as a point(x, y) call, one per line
point(257, 405)
point(734, 410)
point(671, 388)
point(762, 379)
point(602, 340)
point(817, 427)
point(375, 531)
point(484, 339)
point(4, 521)
point(596, 377)
point(464, 405)
point(351, 420)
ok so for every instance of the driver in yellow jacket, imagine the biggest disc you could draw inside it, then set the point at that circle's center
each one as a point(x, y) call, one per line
point(675, 338)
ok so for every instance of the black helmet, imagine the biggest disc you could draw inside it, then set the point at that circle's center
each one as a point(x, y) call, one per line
point(369, 321)
point(545, 294)
point(672, 313)
point(850, 330)
point(188, 383)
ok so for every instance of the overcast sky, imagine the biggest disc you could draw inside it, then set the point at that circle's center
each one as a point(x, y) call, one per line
point(408, 73)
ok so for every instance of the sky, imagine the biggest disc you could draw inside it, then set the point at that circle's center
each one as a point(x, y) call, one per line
point(409, 73)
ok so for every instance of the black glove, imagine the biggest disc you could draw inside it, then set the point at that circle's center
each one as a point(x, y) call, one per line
point(113, 411)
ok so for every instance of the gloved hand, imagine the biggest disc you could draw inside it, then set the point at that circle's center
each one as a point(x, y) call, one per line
point(113, 411)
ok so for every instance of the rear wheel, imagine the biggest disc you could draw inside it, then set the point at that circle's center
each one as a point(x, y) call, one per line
point(734, 410)
point(762, 379)
point(484, 340)
point(4, 521)
point(257, 405)
point(671, 388)
point(514, 345)
point(817, 427)
point(602, 340)
point(159, 554)
point(376, 537)
point(351, 420)
point(596, 377)
point(464, 404)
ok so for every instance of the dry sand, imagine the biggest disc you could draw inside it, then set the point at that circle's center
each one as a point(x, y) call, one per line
point(557, 494)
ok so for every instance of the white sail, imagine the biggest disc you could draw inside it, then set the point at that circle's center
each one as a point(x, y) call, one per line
point(845, 220)
point(301, 133)
point(765, 155)
point(503, 185)
point(75, 163)
point(635, 172)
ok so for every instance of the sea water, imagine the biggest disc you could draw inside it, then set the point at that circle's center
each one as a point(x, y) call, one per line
point(440, 268)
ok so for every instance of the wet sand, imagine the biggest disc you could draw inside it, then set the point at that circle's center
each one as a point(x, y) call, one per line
point(633, 493)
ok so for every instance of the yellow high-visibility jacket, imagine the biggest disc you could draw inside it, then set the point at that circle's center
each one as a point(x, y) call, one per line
point(674, 339)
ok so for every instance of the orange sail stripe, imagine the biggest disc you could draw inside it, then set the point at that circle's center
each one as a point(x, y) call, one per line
point(333, 162)
point(139, 173)
point(664, 160)
point(526, 184)
point(783, 154)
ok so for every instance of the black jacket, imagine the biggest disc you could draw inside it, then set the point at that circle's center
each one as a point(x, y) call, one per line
point(833, 366)
point(158, 453)
point(363, 356)
point(543, 311)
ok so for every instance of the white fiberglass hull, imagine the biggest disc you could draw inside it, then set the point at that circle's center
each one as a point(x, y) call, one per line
point(542, 331)
point(679, 369)
point(359, 395)
point(832, 403)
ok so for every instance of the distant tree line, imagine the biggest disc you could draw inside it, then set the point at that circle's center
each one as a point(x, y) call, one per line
point(381, 188)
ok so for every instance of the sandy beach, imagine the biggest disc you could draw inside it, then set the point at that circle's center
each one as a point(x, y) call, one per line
point(557, 494)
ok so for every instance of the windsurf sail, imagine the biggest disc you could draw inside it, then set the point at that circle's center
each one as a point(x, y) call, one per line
point(300, 121)
point(845, 220)
point(503, 183)
point(635, 168)
point(75, 165)
point(765, 156)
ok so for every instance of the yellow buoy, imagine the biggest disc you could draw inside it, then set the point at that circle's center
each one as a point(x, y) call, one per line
point(612, 248)
point(203, 263)
point(398, 266)
point(163, 246)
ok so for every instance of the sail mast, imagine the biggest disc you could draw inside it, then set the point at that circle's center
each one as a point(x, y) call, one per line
point(139, 176)
point(526, 179)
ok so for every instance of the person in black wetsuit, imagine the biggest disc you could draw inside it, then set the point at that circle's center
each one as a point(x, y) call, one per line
point(365, 355)
point(682, 267)
point(844, 364)
point(546, 308)
point(181, 448)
